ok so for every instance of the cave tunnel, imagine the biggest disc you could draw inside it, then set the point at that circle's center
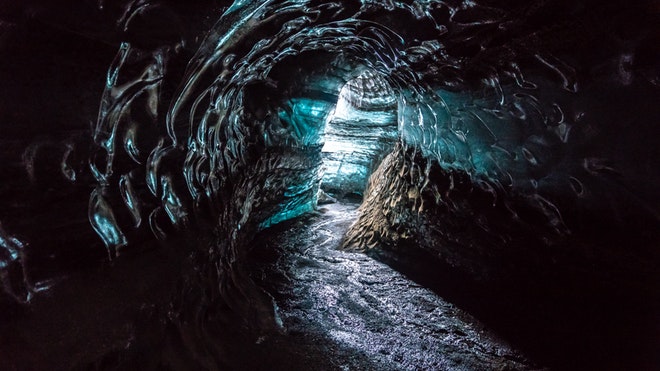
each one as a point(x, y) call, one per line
point(299, 184)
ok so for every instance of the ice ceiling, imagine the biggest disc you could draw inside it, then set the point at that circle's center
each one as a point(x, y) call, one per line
point(510, 114)
point(514, 141)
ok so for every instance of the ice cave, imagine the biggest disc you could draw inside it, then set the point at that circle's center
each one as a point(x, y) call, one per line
point(341, 185)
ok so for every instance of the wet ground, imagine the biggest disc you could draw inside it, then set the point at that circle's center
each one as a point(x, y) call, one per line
point(353, 312)
point(339, 310)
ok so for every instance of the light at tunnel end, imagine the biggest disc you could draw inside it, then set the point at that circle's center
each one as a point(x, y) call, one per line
point(358, 134)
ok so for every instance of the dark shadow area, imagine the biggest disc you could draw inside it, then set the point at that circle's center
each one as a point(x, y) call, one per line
point(565, 322)
point(137, 313)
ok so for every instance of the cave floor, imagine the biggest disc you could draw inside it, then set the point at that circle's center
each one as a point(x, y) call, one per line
point(339, 310)
point(345, 310)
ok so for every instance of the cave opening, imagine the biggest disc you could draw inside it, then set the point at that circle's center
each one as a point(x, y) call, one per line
point(360, 131)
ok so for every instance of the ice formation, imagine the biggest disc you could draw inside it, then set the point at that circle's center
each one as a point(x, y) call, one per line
point(514, 142)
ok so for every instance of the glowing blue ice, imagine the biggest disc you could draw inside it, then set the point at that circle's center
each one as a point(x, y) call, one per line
point(306, 117)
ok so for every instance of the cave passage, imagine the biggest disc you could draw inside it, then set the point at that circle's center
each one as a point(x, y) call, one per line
point(346, 310)
point(180, 184)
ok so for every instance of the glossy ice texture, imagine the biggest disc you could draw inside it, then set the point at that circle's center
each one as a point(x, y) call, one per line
point(519, 115)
